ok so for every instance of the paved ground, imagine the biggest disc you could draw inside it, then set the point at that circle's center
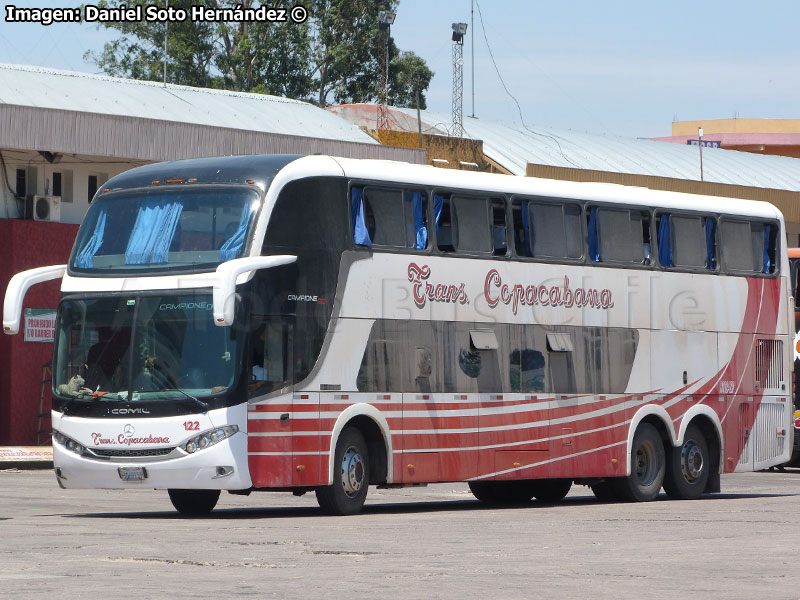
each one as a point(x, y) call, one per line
point(435, 542)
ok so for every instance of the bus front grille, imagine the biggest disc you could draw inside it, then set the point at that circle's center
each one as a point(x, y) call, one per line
point(130, 453)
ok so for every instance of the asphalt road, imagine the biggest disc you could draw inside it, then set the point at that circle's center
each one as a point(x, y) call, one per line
point(434, 542)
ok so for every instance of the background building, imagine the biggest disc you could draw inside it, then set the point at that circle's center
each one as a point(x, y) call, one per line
point(779, 137)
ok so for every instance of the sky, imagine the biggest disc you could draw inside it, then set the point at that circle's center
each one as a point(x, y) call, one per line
point(618, 67)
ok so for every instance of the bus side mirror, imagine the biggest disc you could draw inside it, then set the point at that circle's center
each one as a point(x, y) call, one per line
point(227, 275)
point(18, 287)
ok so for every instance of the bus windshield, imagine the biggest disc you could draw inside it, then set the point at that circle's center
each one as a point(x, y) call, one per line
point(142, 348)
point(164, 230)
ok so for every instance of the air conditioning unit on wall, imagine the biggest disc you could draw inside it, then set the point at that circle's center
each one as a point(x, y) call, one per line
point(47, 208)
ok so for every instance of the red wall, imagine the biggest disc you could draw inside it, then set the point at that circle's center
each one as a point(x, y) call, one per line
point(24, 245)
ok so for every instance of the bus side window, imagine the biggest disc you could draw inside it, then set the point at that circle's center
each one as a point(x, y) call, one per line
point(562, 376)
point(270, 357)
point(688, 241)
point(749, 246)
point(521, 228)
point(446, 223)
point(474, 224)
point(623, 235)
point(555, 230)
point(499, 228)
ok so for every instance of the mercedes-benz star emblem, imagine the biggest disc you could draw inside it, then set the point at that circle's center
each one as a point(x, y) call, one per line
point(129, 430)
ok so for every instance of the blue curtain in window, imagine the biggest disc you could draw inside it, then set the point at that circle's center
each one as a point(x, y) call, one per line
point(438, 205)
point(527, 230)
point(710, 225)
point(594, 246)
point(419, 221)
point(664, 247)
point(359, 222)
point(234, 244)
point(153, 232)
point(85, 259)
point(767, 261)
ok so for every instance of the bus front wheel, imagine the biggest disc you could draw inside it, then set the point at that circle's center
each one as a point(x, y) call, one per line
point(194, 502)
point(688, 466)
point(350, 476)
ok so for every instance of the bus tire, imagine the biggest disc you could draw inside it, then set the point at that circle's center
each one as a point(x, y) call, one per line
point(350, 476)
point(551, 490)
point(648, 464)
point(194, 502)
point(502, 492)
point(688, 466)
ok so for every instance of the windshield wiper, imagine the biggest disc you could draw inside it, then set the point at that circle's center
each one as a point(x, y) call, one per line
point(197, 401)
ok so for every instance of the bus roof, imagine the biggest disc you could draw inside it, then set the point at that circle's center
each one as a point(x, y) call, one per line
point(258, 168)
point(261, 169)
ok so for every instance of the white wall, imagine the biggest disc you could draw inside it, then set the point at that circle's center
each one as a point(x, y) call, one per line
point(75, 171)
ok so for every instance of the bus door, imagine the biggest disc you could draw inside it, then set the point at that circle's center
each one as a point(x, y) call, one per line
point(283, 423)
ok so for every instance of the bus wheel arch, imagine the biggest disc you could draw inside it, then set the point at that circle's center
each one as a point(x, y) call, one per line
point(373, 426)
point(659, 418)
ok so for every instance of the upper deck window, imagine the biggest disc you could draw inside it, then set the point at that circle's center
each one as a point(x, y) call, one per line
point(392, 218)
point(749, 246)
point(687, 241)
point(163, 230)
point(619, 235)
point(547, 229)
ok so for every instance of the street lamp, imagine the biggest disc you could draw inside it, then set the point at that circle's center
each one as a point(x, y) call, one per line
point(385, 19)
point(459, 31)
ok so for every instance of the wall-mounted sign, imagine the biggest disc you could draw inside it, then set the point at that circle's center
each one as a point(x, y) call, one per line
point(705, 143)
point(40, 324)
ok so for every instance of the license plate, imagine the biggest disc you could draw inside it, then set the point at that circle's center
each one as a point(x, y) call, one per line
point(132, 473)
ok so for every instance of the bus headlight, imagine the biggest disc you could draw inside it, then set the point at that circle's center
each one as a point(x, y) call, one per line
point(68, 443)
point(208, 438)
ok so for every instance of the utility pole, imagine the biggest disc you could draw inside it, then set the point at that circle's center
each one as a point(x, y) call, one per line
point(700, 144)
point(472, 50)
point(166, 38)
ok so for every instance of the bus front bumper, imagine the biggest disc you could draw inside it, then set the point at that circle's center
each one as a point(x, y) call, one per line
point(222, 466)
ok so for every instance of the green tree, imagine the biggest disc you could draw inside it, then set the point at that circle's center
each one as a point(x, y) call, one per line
point(333, 56)
point(408, 75)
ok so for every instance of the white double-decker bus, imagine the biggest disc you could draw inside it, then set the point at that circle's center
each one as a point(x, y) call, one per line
point(316, 323)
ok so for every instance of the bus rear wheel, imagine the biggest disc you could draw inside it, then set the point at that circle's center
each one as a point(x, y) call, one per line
point(688, 466)
point(194, 502)
point(648, 464)
point(350, 476)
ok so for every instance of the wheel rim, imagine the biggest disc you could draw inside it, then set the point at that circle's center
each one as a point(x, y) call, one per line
point(691, 461)
point(646, 467)
point(352, 472)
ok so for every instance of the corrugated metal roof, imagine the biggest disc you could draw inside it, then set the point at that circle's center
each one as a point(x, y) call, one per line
point(82, 92)
point(513, 146)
